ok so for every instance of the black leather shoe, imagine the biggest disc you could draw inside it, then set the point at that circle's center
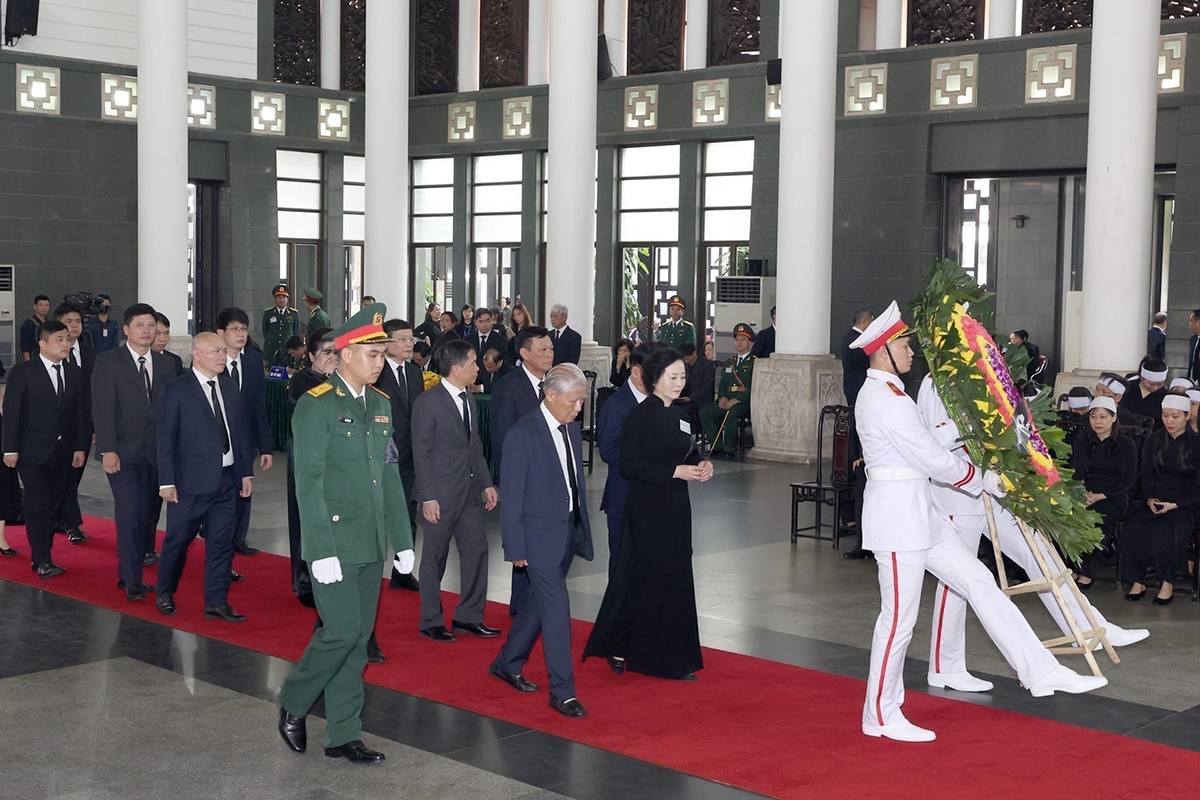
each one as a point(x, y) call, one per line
point(568, 708)
point(691, 676)
point(438, 633)
point(166, 603)
point(294, 730)
point(76, 535)
point(236, 577)
point(374, 651)
point(49, 570)
point(224, 612)
point(617, 665)
point(307, 600)
point(518, 681)
point(245, 549)
point(150, 559)
point(146, 588)
point(137, 592)
point(856, 554)
point(401, 581)
point(9, 551)
point(477, 628)
point(355, 752)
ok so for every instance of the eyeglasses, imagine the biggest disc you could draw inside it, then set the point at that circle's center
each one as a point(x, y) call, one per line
point(237, 329)
point(402, 340)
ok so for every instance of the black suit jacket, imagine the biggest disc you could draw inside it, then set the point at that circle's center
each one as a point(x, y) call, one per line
point(567, 347)
point(512, 398)
point(254, 393)
point(493, 341)
point(488, 380)
point(177, 361)
point(36, 418)
point(402, 412)
point(701, 385)
point(123, 419)
point(764, 343)
point(87, 362)
point(190, 447)
point(854, 367)
point(1193, 358)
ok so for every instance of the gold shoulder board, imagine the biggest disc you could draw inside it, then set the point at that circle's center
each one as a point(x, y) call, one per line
point(320, 389)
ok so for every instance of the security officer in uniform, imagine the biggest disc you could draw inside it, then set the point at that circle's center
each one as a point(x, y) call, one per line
point(678, 330)
point(733, 393)
point(352, 513)
point(279, 323)
point(317, 318)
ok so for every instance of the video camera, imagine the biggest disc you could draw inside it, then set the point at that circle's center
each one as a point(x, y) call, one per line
point(89, 304)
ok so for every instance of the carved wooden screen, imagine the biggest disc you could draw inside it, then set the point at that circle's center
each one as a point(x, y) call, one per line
point(436, 42)
point(655, 36)
point(733, 32)
point(503, 34)
point(298, 41)
point(939, 21)
point(1177, 9)
point(1057, 15)
point(354, 45)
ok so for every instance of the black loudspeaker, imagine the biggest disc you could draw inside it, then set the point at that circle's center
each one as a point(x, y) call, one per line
point(755, 267)
point(603, 65)
point(775, 72)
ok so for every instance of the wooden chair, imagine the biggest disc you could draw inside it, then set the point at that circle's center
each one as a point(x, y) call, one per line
point(744, 436)
point(589, 424)
point(827, 490)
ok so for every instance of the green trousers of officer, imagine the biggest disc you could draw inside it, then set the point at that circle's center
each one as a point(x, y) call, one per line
point(711, 417)
point(336, 656)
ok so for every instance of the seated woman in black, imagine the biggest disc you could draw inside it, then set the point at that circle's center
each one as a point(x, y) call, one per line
point(1107, 464)
point(1161, 525)
point(621, 365)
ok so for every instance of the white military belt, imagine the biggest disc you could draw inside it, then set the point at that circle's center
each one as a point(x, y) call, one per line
point(895, 474)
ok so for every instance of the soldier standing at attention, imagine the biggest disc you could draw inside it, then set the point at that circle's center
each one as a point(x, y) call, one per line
point(352, 511)
point(678, 331)
point(733, 393)
point(317, 318)
point(279, 323)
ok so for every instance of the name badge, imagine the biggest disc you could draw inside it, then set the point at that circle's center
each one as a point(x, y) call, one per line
point(106, 333)
point(346, 420)
point(729, 370)
point(685, 427)
point(383, 420)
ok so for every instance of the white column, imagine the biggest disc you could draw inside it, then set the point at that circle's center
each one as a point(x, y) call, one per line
point(539, 43)
point(468, 45)
point(805, 245)
point(386, 268)
point(695, 34)
point(1122, 104)
point(616, 30)
point(1002, 18)
point(889, 24)
point(571, 222)
point(162, 145)
point(331, 44)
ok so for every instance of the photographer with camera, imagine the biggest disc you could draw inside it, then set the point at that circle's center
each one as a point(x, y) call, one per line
point(103, 331)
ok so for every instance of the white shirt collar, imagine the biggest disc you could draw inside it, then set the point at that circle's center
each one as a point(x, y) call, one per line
point(883, 375)
point(533, 381)
point(637, 395)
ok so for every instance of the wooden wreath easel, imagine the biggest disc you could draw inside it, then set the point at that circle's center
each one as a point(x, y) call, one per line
point(1055, 575)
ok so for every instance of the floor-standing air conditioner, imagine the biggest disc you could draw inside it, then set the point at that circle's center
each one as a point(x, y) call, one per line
point(8, 314)
point(741, 298)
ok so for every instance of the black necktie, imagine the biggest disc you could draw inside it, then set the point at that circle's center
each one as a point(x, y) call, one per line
point(466, 416)
point(58, 380)
point(541, 391)
point(233, 373)
point(145, 376)
point(402, 382)
point(212, 388)
point(71, 357)
point(575, 518)
point(556, 334)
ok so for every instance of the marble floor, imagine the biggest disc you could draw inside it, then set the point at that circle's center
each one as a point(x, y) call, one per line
point(100, 705)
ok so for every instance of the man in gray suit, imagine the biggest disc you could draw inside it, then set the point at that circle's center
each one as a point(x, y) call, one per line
point(454, 488)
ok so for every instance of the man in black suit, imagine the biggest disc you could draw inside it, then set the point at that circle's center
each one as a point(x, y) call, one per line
point(764, 343)
point(45, 436)
point(454, 489)
point(492, 369)
point(162, 337)
point(854, 375)
point(544, 525)
point(82, 355)
point(1194, 346)
point(512, 398)
point(701, 387)
point(205, 463)
point(608, 436)
point(1156, 337)
point(568, 344)
point(401, 381)
point(126, 385)
point(484, 337)
point(245, 367)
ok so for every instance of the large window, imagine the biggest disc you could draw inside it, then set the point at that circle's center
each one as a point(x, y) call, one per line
point(299, 199)
point(495, 225)
point(648, 200)
point(354, 205)
point(432, 231)
point(728, 186)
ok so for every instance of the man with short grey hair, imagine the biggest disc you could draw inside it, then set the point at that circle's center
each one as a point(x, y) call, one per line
point(568, 344)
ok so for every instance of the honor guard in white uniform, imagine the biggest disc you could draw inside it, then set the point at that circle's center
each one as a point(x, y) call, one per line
point(910, 535)
point(947, 646)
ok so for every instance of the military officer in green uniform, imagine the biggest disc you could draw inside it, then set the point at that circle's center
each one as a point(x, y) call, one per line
point(733, 393)
point(352, 511)
point(677, 330)
point(279, 323)
point(317, 318)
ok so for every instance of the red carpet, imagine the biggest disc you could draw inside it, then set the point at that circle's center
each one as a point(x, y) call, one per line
point(763, 726)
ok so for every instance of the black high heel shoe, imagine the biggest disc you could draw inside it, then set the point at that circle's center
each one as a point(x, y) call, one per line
point(1135, 595)
point(617, 665)
point(9, 551)
point(1163, 601)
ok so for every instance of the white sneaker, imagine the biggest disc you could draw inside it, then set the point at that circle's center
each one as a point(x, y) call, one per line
point(1120, 637)
point(1062, 679)
point(901, 730)
point(958, 681)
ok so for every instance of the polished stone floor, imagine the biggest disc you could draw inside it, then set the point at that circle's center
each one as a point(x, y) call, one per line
point(100, 705)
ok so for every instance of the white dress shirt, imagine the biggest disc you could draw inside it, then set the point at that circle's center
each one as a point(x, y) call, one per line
point(561, 450)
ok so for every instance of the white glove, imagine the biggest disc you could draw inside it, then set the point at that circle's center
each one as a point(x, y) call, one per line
point(326, 570)
point(404, 562)
point(993, 485)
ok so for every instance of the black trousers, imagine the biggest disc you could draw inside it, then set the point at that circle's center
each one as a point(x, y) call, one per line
point(46, 487)
point(216, 511)
point(301, 582)
point(134, 490)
